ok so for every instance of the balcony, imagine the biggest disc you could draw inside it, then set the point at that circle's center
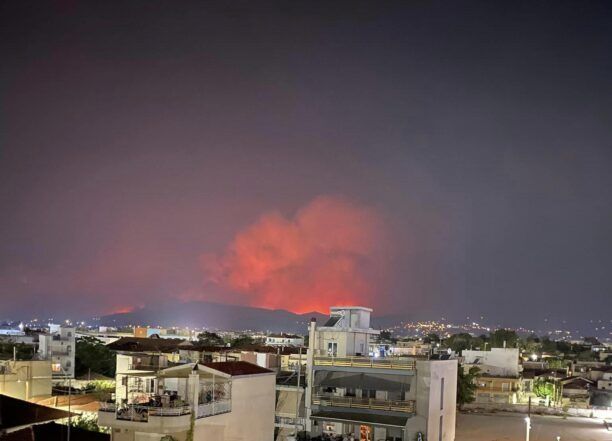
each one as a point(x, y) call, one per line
point(136, 366)
point(142, 413)
point(407, 406)
point(59, 352)
point(289, 422)
point(497, 389)
point(216, 407)
point(367, 362)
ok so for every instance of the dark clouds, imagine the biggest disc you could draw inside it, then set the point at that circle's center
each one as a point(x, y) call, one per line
point(134, 137)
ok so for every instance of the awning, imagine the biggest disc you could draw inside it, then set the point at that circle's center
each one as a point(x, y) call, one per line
point(362, 418)
point(363, 381)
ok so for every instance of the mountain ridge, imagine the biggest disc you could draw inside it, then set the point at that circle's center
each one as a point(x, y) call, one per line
point(210, 315)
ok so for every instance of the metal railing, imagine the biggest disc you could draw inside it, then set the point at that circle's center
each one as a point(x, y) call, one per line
point(169, 411)
point(367, 362)
point(407, 406)
point(289, 421)
point(497, 389)
point(144, 367)
point(140, 413)
point(214, 408)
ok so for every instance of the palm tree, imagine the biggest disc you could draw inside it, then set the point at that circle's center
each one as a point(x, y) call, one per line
point(466, 387)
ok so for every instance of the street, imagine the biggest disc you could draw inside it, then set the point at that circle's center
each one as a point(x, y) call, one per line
point(511, 427)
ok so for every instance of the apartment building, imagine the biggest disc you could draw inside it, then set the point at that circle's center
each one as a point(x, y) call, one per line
point(290, 413)
point(371, 398)
point(605, 383)
point(499, 379)
point(58, 346)
point(231, 400)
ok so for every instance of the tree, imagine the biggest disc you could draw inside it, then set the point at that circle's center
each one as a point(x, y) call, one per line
point(556, 363)
point(587, 355)
point(460, 342)
point(210, 339)
point(386, 336)
point(466, 385)
point(543, 388)
point(531, 344)
point(242, 341)
point(499, 337)
point(432, 338)
point(89, 423)
point(564, 347)
point(22, 351)
point(92, 355)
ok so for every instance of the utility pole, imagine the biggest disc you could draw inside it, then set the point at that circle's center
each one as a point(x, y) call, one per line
point(69, 399)
point(297, 394)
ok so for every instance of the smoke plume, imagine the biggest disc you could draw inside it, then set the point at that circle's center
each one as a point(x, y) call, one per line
point(332, 252)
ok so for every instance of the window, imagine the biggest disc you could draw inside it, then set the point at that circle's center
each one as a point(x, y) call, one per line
point(440, 428)
point(332, 349)
point(149, 385)
point(368, 393)
point(56, 367)
point(442, 394)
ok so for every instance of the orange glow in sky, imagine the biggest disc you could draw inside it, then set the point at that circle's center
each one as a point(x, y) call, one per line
point(330, 253)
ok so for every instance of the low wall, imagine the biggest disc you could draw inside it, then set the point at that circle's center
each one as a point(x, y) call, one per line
point(538, 410)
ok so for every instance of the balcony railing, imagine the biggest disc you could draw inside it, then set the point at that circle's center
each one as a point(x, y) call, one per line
point(497, 389)
point(141, 413)
point(144, 367)
point(407, 406)
point(366, 362)
point(214, 408)
point(289, 421)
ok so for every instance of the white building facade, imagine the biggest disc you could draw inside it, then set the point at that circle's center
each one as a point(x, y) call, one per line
point(351, 393)
point(25, 379)
point(225, 401)
point(58, 346)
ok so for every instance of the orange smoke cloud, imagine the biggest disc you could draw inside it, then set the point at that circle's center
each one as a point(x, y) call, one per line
point(332, 252)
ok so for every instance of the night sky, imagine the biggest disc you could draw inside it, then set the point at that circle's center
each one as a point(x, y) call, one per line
point(434, 158)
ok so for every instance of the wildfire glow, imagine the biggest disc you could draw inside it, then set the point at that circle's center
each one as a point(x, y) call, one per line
point(331, 253)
